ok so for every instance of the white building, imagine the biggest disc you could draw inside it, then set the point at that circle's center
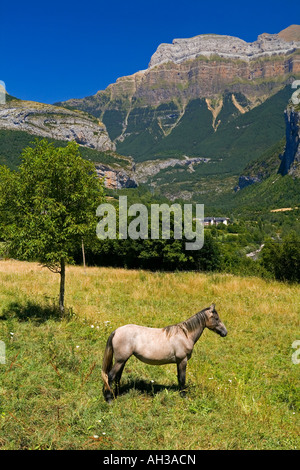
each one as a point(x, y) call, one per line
point(215, 221)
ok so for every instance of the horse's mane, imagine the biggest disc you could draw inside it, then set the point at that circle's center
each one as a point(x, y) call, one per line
point(189, 325)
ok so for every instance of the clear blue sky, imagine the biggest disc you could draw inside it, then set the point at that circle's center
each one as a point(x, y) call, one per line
point(62, 49)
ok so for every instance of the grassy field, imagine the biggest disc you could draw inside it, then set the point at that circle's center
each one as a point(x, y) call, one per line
point(243, 390)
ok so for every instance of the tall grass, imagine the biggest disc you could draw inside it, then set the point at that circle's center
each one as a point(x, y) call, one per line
point(243, 390)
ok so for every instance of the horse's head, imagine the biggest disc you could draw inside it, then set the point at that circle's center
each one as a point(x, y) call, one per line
point(213, 321)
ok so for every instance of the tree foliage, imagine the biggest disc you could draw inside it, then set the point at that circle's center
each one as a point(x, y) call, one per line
point(283, 259)
point(49, 205)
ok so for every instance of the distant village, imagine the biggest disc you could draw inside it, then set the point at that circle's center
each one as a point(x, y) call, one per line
point(215, 221)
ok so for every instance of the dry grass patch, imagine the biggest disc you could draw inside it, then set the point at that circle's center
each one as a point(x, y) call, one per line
point(243, 389)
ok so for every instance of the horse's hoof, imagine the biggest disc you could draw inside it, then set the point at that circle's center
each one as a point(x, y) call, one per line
point(108, 398)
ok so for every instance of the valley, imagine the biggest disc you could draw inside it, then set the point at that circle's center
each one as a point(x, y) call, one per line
point(149, 169)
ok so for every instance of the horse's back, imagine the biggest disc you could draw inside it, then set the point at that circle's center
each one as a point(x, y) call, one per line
point(150, 345)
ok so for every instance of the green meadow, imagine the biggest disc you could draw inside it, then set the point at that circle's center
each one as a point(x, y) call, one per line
point(243, 390)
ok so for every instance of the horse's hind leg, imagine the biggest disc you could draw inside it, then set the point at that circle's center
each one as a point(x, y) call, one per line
point(181, 374)
point(118, 378)
point(116, 372)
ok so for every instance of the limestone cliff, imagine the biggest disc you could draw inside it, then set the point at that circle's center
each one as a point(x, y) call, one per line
point(203, 66)
point(146, 114)
point(207, 105)
point(290, 163)
point(229, 47)
point(287, 150)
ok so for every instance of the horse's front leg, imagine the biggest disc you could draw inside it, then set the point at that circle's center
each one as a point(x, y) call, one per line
point(181, 374)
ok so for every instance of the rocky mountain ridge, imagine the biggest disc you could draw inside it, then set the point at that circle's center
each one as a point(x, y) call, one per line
point(203, 66)
point(55, 122)
point(204, 108)
point(229, 47)
point(209, 78)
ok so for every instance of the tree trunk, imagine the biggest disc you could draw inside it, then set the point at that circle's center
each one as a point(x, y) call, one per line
point(83, 255)
point(62, 286)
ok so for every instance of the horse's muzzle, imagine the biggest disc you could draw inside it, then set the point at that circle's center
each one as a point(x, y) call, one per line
point(222, 331)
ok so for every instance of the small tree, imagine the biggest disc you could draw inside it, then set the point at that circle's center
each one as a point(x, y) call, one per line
point(283, 259)
point(49, 206)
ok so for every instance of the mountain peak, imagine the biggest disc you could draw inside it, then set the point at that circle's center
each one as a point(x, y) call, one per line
point(291, 33)
point(229, 47)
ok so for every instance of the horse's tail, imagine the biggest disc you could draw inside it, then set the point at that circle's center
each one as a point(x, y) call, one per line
point(107, 361)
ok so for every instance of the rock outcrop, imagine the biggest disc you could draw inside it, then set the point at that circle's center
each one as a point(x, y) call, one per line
point(290, 160)
point(289, 154)
point(118, 178)
point(246, 180)
point(56, 123)
point(115, 178)
point(146, 170)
